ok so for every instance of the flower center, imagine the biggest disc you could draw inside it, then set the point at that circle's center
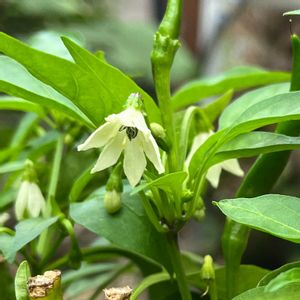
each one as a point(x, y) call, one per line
point(130, 131)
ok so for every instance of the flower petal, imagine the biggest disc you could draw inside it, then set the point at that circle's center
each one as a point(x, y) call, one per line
point(3, 218)
point(232, 166)
point(152, 151)
point(134, 161)
point(36, 201)
point(133, 118)
point(213, 174)
point(111, 152)
point(197, 142)
point(22, 199)
point(100, 136)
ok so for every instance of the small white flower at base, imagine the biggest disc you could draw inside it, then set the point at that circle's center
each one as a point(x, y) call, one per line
point(30, 201)
point(128, 132)
point(213, 174)
point(4, 217)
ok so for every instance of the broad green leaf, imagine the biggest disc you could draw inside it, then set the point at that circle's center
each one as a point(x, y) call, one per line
point(128, 229)
point(240, 105)
point(273, 274)
point(12, 103)
point(290, 292)
point(118, 85)
point(12, 166)
point(291, 276)
point(26, 231)
point(238, 78)
point(275, 214)
point(168, 183)
point(292, 13)
point(16, 81)
point(67, 78)
point(22, 276)
point(283, 107)
point(254, 143)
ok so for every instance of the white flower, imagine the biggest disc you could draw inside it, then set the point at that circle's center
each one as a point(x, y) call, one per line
point(214, 172)
point(125, 131)
point(3, 218)
point(29, 201)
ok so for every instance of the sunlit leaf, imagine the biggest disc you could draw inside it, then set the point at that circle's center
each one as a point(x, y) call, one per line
point(275, 214)
point(238, 78)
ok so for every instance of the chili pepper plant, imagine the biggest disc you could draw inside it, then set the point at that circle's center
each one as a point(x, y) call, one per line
point(95, 155)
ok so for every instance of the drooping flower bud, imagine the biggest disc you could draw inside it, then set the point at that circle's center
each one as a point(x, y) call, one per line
point(30, 201)
point(112, 201)
point(208, 271)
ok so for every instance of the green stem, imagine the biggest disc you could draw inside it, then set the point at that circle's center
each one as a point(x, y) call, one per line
point(164, 50)
point(55, 172)
point(175, 256)
point(45, 237)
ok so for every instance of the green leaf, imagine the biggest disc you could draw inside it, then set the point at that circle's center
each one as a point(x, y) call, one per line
point(248, 276)
point(5, 242)
point(290, 292)
point(15, 80)
point(275, 214)
point(26, 231)
point(215, 108)
point(254, 143)
point(117, 85)
point(128, 229)
point(98, 282)
point(292, 13)
point(12, 166)
point(240, 105)
point(291, 276)
point(80, 183)
point(273, 274)
point(86, 270)
point(147, 282)
point(22, 276)
point(67, 78)
point(170, 182)
point(7, 197)
point(238, 78)
point(42, 144)
point(12, 103)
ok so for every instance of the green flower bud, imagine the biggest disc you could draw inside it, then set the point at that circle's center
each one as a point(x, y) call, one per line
point(160, 136)
point(134, 100)
point(187, 195)
point(157, 130)
point(112, 201)
point(199, 214)
point(208, 271)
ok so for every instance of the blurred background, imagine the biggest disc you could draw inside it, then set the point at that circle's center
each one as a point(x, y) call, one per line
point(216, 35)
